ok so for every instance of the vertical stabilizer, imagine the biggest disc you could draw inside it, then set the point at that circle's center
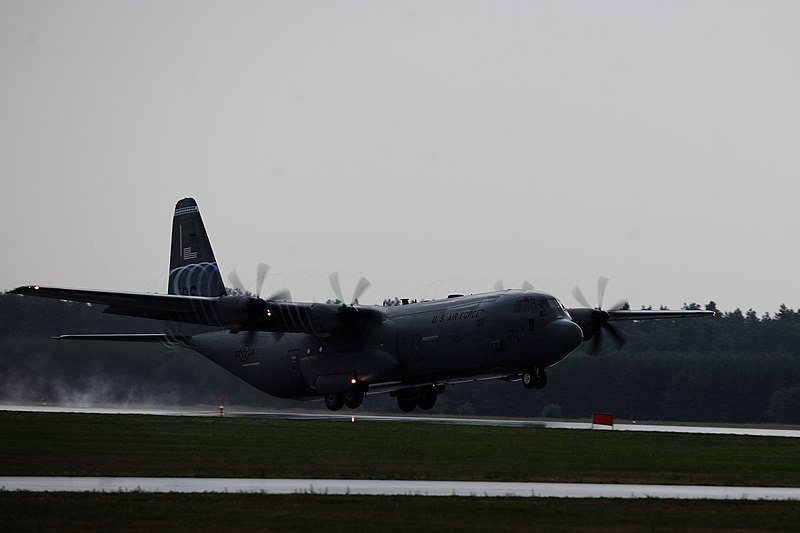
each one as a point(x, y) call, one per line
point(192, 267)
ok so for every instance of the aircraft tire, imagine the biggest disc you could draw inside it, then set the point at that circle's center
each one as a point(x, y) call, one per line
point(353, 400)
point(528, 380)
point(540, 379)
point(536, 378)
point(427, 399)
point(406, 404)
point(334, 401)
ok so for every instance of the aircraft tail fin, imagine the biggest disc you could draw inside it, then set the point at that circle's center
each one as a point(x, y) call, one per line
point(193, 269)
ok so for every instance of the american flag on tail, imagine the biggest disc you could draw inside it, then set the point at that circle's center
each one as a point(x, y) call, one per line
point(188, 253)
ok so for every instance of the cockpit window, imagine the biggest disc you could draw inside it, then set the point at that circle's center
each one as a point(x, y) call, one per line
point(541, 308)
point(556, 306)
point(523, 305)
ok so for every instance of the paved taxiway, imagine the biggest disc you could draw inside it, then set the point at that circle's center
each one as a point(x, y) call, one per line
point(382, 487)
point(353, 416)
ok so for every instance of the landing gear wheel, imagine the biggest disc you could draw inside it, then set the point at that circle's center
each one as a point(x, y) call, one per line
point(406, 404)
point(534, 379)
point(353, 399)
point(334, 401)
point(527, 380)
point(541, 378)
point(427, 399)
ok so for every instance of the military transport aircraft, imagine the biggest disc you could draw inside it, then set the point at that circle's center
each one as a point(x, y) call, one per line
point(340, 352)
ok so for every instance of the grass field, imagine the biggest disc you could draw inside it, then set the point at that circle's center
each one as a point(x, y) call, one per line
point(135, 445)
point(256, 512)
point(128, 445)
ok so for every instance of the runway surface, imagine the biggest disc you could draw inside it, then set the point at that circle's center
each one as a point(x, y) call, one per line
point(379, 487)
point(354, 416)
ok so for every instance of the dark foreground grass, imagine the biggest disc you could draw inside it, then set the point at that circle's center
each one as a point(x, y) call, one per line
point(136, 445)
point(225, 512)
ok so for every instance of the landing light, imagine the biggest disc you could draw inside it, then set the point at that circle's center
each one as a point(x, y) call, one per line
point(353, 381)
point(269, 312)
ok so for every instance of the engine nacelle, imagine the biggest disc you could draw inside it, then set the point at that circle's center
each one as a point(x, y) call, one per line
point(589, 320)
point(238, 313)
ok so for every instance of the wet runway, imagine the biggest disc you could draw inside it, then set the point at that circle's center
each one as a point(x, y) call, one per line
point(380, 487)
point(355, 416)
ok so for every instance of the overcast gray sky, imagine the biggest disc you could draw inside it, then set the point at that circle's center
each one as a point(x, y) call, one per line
point(431, 146)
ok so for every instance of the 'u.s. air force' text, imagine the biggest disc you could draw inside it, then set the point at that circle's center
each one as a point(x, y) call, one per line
point(458, 315)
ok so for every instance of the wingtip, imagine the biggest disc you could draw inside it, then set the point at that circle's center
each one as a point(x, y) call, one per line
point(24, 289)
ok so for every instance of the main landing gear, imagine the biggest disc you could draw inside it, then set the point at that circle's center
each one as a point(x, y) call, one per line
point(352, 400)
point(535, 378)
point(334, 401)
point(413, 397)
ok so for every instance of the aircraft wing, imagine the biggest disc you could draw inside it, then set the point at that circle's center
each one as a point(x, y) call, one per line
point(593, 322)
point(169, 302)
point(583, 314)
point(236, 313)
point(143, 305)
point(628, 314)
point(126, 337)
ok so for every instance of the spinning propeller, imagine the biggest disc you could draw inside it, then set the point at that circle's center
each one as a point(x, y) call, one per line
point(598, 318)
point(261, 275)
point(500, 286)
point(256, 305)
point(361, 287)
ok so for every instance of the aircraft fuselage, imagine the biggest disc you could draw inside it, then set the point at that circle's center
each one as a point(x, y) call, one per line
point(435, 342)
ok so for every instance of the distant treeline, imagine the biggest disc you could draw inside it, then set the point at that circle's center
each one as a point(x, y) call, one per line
point(735, 367)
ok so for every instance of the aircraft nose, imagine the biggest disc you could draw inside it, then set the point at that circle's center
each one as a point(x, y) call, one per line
point(565, 336)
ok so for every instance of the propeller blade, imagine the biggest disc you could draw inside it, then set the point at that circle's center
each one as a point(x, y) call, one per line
point(598, 320)
point(236, 281)
point(527, 285)
point(333, 278)
point(602, 283)
point(596, 346)
point(498, 285)
point(578, 294)
point(615, 334)
point(622, 304)
point(249, 337)
point(261, 275)
point(281, 295)
point(362, 285)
